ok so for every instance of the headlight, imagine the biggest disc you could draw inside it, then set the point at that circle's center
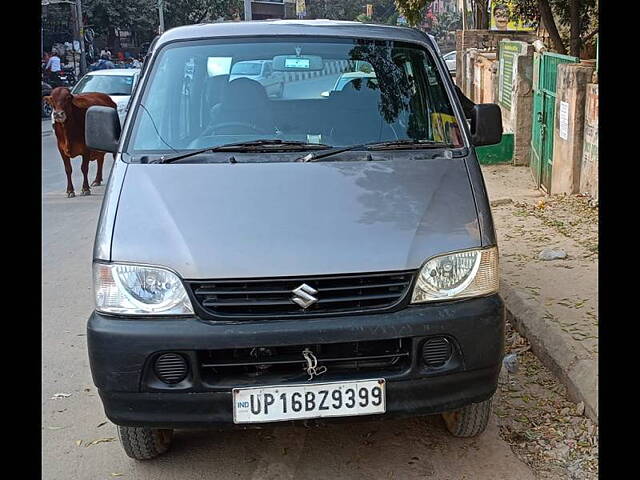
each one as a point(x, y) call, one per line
point(139, 290)
point(461, 274)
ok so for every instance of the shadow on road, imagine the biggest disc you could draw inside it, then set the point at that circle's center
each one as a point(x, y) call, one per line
point(408, 449)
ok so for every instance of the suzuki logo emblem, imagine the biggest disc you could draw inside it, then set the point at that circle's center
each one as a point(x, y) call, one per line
point(303, 296)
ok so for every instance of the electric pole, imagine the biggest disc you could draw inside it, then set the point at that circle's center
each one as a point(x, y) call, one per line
point(80, 23)
point(161, 9)
point(247, 10)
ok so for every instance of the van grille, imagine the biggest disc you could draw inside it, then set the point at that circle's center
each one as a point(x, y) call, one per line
point(274, 297)
point(281, 363)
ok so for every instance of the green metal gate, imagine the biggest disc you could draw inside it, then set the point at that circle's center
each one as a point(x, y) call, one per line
point(545, 73)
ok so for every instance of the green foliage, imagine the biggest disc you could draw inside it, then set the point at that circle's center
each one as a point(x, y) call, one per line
point(142, 15)
point(529, 11)
point(413, 10)
point(335, 9)
point(123, 14)
point(383, 10)
point(446, 22)
point(188, 12)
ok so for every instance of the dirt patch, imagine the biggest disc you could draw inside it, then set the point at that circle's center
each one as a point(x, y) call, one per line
point(544, 428)
point(532, 222)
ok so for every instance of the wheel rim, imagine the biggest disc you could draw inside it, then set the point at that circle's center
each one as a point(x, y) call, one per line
point(46, 109)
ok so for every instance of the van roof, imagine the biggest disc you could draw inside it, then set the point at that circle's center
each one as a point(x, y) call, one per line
point(279, 28)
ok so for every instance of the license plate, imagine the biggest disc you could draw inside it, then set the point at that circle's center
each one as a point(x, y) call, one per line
point(317, 400)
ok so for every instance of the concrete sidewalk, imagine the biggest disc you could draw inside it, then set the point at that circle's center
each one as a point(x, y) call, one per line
point(553, 303)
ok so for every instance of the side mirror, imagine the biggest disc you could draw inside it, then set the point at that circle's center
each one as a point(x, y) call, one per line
point(102, 129)
point(486, 124)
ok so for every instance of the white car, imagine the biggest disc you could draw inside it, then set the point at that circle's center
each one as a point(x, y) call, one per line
point(450, 60)
point(260, 71)
point(118, 83)
point(346, 78)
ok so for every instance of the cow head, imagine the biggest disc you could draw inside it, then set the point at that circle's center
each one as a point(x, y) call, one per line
point(62, 101)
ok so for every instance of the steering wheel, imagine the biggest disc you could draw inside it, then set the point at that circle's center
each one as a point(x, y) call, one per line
point(248, 126)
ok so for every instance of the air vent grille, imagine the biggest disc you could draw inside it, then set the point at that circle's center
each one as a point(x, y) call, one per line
point(171, 368)
point(436, 351)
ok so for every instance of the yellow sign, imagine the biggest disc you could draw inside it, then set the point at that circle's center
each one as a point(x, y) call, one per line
point(445, 128)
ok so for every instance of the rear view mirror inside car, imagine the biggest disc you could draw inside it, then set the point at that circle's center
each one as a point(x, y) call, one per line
point(297, 63)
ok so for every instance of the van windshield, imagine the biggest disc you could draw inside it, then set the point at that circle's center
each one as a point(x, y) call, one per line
point(335, 92)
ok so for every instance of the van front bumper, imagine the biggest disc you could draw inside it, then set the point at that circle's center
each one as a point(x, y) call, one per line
point(121, 350)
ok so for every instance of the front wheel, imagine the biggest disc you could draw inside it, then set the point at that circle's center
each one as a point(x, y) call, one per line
point(470, 420)
point(144, 443)
point(46, 109)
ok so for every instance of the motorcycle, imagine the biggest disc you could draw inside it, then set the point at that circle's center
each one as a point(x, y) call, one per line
point(46, 108)
point(63, 78)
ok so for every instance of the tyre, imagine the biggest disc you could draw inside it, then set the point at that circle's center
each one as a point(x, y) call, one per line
point(470, 420)
point(46, 109)
point(144, 443)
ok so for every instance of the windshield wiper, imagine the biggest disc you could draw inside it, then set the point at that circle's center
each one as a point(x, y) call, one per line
point(245, 146)
point(388, 145)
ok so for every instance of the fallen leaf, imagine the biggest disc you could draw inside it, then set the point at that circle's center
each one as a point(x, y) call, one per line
point(78, 442)
point(100, 440)
point(60, 395)
point(117, 474)
point(101, 424)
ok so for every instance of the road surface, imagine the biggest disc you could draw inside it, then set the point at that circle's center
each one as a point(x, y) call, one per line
point(400, 449)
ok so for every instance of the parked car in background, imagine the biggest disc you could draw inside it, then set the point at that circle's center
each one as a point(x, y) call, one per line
point(262, 72)
point(450, 60)
point(346, 78)
point(117, 83)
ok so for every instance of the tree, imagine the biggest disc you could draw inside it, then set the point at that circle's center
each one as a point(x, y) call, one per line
point(189, 12)
point(142, 15)
point(413, 10)
point(446, 22)
point(482, 14)
point(335, 9)
point(106, 15)
point(579, 16)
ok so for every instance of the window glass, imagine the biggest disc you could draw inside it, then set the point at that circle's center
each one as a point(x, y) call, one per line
point(107, 84)
point(345, 92)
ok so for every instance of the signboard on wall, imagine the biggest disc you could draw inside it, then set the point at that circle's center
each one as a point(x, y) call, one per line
point(508, 70)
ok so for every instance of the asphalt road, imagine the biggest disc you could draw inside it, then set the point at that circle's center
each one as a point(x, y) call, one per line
point(399, 449)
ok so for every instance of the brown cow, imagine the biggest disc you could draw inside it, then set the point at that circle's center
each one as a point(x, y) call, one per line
point(68, 115)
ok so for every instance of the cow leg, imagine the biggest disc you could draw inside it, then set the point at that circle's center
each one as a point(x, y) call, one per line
point(85, 173)
point(67, 169)
point(98, 181)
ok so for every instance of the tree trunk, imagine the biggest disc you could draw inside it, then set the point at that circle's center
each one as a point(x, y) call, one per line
point(546, 15)
point(574, 41)
point(483, 17)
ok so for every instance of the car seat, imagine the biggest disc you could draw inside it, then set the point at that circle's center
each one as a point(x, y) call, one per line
point(244, 109)
point(357, 116)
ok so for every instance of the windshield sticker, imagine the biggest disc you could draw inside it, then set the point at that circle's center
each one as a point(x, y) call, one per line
point(297, 63)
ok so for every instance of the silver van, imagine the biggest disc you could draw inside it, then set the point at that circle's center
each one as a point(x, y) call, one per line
point(300, 258)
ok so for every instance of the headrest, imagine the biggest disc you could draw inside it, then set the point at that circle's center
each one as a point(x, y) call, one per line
point(244, 93)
